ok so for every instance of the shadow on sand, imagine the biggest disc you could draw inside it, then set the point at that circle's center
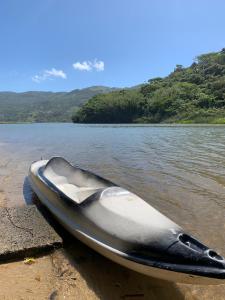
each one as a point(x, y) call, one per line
point(108, 280)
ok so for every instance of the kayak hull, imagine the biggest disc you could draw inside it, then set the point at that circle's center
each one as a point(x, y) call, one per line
point(70, 220)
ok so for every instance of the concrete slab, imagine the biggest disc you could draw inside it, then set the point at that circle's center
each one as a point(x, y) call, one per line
point(25, 232)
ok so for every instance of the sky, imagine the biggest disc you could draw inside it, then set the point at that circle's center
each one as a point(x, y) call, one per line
point(61, 45)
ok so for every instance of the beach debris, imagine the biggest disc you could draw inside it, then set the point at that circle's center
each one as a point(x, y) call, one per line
point(53, 295)
point(63, 272)
point(37, 277)
point(29, 261)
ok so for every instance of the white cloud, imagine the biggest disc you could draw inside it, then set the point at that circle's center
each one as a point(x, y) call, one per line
point(55, 73)
point(84, 66)
point(97, 65)
point(49, 74)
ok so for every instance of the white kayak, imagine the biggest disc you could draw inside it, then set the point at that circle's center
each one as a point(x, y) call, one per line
point(121, 226)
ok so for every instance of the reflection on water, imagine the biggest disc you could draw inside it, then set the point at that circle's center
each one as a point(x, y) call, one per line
point(180, 170)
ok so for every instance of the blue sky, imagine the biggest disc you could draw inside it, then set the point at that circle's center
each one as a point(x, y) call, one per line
point(60, 45)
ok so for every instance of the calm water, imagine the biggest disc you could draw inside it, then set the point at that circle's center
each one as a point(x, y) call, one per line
point(178, 169)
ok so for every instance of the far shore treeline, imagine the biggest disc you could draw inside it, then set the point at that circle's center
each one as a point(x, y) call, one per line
point(188, 95)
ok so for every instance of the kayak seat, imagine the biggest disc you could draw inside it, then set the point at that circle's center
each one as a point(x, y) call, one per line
point(78, 194)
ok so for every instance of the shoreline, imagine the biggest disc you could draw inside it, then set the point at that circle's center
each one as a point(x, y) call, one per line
point(181, 124)
point(76, 271)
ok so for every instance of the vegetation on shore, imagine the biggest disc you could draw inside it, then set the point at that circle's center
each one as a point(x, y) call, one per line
point(195, 94)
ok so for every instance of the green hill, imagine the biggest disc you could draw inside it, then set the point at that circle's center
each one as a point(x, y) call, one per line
point(45, 106)
point(195, 94)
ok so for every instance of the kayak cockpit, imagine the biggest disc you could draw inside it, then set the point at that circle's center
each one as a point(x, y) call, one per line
point(74, 183)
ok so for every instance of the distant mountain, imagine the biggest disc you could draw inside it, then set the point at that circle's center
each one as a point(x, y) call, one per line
point(46, 106)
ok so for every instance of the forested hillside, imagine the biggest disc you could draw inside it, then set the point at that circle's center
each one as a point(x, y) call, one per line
point(45, 106)
point(188, 95)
